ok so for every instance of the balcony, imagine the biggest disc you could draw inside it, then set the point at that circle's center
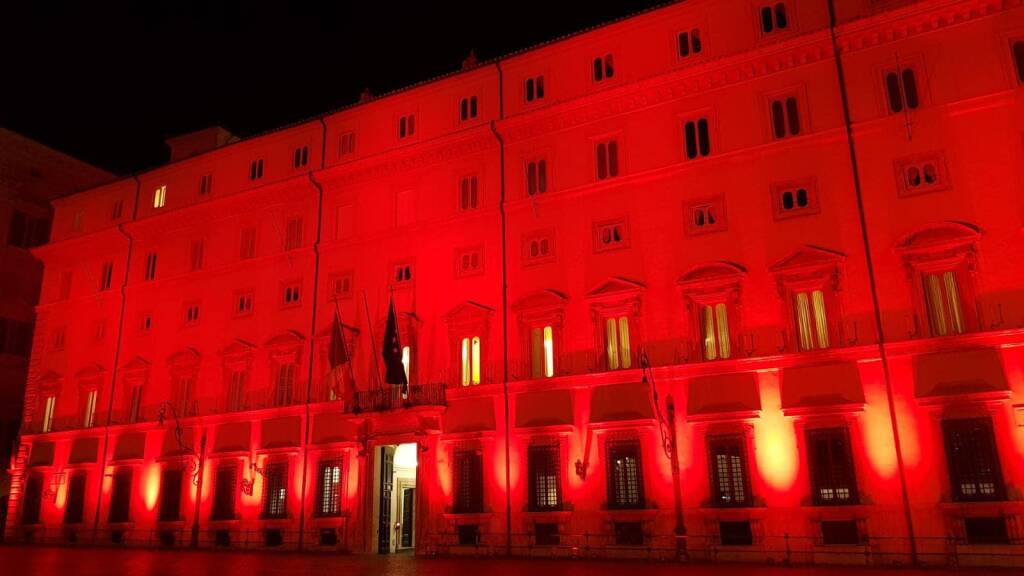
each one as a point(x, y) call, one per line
point(391, 398)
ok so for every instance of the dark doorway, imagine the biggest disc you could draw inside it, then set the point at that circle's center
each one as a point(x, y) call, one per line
point(387, 474)
point(408, 504)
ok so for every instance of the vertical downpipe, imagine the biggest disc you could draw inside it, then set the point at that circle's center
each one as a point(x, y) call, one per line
point(312, 327)
point(504, 307)
point(872, 281)
point(117, 357)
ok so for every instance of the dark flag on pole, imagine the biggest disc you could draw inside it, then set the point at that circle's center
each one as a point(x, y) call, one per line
point(394, 370)
point(338, 353)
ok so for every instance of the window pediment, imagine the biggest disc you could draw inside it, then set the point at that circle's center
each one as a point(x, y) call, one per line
point(614, 288)
point(941, 246)
point(712, 278)
point(89, 377)
point(186, 358)
point(467, 315)
point(50, 383)
point(809, 264)
point(136, 370)
point(237, 350)
point(542, 306)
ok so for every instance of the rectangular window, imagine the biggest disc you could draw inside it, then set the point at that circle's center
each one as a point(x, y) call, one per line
point(406, 126)
point(901, 90)
point(468, 482)
point(256, 169)
point(603, 68)
point(342, 285)
point(284, 384)
point(471, 361)
point(469, 193)
point(714, 328)
point(840, 532)
point(625, 478)
point(469, 262)
point(32, 500)
point(696, 138)
point(1017, 48)
point(291, 295)
point(49, 405)
point(727, 458)
point(537, 177)
point(301, 157)
point(607, 159)
point(973, 461)
point(170, 494)
point(347, 145)
point(690, 43)
point(244, 304)
point(89, 408)
point(275, 490)
point(538, 248)
point(196, 255)
point(774, 18)
point(705, 216)
point(121, 496)
point(921, 174)
point(224, 489)
point(182, 389)
point(160, 197)
point(328, 491)
point(106, 276)
point(792, 200)
point(293, 234)
point(544, 478)
point(247, 244)
point(401, 274)
point(150, 273)
point(191, 314)
point(833, 480)
point(542, 352)
point(735, 533)
point(534, 88)
point(986, 530)
point(66, 278)
point(611, 235)
point(616, 341)
point(205, 184)
point(942, 299)
point(785, 114)
point(811, 320)
point(236, 390)
point(74, 509)
point(406, 364)
point(467, 108)
point(135, 404)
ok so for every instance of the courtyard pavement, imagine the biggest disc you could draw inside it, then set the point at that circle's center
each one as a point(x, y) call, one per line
point(46, 561)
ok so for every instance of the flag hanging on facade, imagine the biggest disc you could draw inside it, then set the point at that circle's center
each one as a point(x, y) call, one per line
point(394, 370)
point(338, 353)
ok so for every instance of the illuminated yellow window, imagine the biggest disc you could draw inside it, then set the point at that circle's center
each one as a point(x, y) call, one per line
point(942, 296)
point(616, 336)
point(714, 327)
point(811, 320)
point(90, 408)
point(542, 352)
point(406, 359)
point(160, 197)
point(470, 361)
point(48, 408)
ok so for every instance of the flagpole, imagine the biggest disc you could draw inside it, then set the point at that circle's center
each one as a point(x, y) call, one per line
point(373, 341)
point(348, 353)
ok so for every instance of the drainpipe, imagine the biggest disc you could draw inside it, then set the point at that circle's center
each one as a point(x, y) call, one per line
point(504, 308)
point(312, 326)
point(117, 356)
point(872, 281)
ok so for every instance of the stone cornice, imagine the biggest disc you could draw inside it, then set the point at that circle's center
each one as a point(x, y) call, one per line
point(913, 20)
point(711, 75)
point(410, 158)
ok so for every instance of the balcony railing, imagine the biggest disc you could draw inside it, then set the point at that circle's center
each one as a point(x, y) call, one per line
point(391, 397)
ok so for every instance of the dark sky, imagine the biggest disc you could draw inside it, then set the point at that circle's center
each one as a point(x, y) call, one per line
point(108, 81)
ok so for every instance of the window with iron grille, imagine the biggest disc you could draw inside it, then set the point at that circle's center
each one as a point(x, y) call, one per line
point(328, 490)
point(275, 490)
point(170, 494)
point(727, 458)
point(545, 478)
point(468, 482)
point(974, 471)
point(224, 492)
point(625, 478)
point(75, 506)
point(833, 480)
point(121, 496)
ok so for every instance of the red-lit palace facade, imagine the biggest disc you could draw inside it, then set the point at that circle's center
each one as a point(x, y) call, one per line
point(728, 278)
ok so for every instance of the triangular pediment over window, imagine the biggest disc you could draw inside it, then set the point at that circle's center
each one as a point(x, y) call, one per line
point(614, 287)
point(712, 273)
point(468, 311)
point(542, 299)
point(90, 372)
point(808, 258)
point(286, 340)
point(238, 348)
point(939, 237)
point(185, 358)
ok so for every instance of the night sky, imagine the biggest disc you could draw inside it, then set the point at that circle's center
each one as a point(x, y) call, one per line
point(108, 81)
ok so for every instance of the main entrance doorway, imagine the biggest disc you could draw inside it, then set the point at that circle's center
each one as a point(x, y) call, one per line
point(395, 502)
